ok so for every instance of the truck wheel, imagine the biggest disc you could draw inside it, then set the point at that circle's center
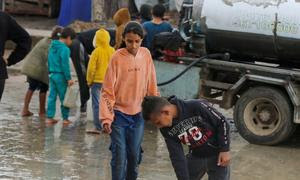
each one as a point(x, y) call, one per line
point(54, 8)
point(263, 115)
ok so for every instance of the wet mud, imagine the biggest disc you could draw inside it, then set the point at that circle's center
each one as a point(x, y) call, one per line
point(31, 150)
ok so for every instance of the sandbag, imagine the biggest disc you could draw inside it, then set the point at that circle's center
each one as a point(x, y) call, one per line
point(35, 63)
point(71, 10)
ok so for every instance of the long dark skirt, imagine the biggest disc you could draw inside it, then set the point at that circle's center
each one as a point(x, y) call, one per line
point(80, 60)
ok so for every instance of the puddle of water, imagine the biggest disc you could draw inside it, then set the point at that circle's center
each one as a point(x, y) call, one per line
point(30, 150)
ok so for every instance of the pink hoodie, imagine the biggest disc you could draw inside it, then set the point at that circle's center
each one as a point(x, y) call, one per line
point(127, 81)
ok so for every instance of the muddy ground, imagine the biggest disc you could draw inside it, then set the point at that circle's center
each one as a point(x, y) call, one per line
point(30, 150)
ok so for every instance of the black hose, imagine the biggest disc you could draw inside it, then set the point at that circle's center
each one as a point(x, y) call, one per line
point(189, 67)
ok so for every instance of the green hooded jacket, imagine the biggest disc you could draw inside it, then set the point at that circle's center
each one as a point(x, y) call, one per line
point(59, 59)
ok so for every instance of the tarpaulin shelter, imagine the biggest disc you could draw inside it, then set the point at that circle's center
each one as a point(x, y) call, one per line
point(71, 10)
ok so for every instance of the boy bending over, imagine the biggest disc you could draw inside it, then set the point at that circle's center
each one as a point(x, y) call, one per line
point(196, 124)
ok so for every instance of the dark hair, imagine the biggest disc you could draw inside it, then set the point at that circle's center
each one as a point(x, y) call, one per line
point(56, 32)
point(68, 32)
point(135, 28)
point(158, 11)
point(145, 12)
point(152, 105)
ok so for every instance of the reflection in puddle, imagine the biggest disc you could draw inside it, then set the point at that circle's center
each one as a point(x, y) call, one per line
point(30, 150)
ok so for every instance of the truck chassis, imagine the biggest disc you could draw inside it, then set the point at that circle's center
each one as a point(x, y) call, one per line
point(264, 96)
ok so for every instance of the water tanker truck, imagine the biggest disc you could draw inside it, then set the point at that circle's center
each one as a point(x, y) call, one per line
point(257, 67)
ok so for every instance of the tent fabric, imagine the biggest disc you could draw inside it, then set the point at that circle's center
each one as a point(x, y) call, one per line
point(173, 4)
point(178, 4)
point(139, 3)
point(71, 10)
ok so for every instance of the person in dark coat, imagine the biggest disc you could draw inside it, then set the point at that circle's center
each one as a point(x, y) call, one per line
point(81, 47)
point(11, 30)
point(80, 59)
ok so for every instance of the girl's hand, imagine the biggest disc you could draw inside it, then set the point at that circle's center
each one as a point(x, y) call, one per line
point(70, 82)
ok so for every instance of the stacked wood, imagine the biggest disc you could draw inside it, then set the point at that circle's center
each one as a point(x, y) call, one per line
point(36, 7)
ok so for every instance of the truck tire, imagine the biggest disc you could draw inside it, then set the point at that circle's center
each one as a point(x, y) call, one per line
point(264, 115)
point(54, 8)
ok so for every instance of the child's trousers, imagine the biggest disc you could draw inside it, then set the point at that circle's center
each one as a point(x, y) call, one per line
point(199, 166)
point(58, 86)
point(95, 91)
point(126, 139)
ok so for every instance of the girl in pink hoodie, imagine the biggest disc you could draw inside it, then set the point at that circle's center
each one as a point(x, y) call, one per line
point(129, 78)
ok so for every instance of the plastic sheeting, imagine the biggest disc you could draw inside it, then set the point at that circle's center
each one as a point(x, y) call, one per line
point(139, 3)
point(71, 10)
point(173, 4)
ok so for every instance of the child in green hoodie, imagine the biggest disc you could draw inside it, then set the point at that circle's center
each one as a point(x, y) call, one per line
point(59, 74)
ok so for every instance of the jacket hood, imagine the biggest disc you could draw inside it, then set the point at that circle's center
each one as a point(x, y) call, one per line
point(180, 104)
point(102, 38)
point(174, 100)
point(56, 45)
point(122, 16)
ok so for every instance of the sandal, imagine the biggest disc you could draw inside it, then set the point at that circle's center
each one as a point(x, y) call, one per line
point(93, 131)
point(51, 121)
point(66, 122)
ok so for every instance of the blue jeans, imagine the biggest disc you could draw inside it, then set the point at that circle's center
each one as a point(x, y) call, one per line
point(95, 91)
point(58, 86)
point(126, 138)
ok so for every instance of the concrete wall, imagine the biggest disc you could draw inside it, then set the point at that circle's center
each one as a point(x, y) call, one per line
point(185, 87)
point(98, 13)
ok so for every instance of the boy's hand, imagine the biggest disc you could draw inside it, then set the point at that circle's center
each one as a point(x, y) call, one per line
point(224, 159)
point(70, 82)
point(107, 128)
point(5, 60)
